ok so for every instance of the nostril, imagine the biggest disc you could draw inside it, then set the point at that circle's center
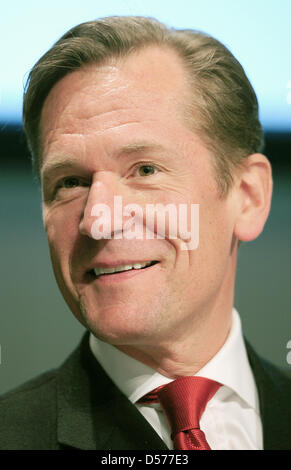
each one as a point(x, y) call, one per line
point(85, 226)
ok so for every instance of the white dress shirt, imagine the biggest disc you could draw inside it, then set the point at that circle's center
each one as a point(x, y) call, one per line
point(231, 420)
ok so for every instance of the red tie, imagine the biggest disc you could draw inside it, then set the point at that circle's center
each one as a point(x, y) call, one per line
point(184, 401)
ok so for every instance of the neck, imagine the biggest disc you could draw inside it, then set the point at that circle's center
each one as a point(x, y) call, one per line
point(182, 355)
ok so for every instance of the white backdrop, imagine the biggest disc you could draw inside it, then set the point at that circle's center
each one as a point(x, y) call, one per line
point(258, 32)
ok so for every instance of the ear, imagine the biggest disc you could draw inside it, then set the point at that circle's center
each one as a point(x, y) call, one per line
point(255, 187)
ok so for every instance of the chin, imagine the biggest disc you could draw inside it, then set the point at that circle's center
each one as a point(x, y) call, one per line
point(117, 336)
point(116, 326)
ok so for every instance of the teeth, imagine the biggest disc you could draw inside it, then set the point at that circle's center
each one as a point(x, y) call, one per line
point(127, 267)
point(138, 266)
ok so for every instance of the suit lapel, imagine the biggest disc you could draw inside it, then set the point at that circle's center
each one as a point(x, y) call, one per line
point(130, 431)
point(93, 413)
point(274, 388)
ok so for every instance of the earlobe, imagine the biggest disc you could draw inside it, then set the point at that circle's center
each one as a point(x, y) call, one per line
point(255, 193)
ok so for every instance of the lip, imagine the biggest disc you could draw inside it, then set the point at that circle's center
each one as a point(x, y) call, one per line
point(115, 264)
point(122, 276)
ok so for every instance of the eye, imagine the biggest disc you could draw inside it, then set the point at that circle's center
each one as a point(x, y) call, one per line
point(146, 170)
point(69, 182)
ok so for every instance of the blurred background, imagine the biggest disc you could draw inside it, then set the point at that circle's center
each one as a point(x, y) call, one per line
point(37, 330)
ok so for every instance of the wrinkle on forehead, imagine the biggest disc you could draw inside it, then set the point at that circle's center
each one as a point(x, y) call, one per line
point(153, 71)
point(144, 88)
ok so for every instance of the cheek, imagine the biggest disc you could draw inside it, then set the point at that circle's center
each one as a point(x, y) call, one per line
point(62, 234)
point(62, 230)
point(215, 240)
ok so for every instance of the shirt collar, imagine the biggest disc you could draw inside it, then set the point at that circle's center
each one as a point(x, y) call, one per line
point(229, 366)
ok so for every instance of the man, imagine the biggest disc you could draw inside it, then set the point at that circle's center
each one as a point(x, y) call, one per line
point(127, 108)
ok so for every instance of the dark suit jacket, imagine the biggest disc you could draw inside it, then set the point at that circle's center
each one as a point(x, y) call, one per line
point(78, 407)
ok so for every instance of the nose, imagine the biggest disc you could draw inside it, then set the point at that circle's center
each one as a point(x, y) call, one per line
point(99, 218)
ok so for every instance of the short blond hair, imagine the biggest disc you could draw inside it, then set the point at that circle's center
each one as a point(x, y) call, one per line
point(223, 97)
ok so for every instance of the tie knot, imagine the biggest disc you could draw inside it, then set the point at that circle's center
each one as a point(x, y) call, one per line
point(184, 401)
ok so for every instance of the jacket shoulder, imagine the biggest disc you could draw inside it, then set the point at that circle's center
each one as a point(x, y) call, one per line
point(28, 414)
point(274, 388)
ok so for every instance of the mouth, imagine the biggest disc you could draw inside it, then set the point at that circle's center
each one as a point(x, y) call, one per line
point(122, 271)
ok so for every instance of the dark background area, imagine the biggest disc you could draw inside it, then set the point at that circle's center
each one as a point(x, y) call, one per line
point(37, 330)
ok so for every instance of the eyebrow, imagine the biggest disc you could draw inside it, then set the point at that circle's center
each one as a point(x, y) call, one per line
point(60, 163)
point(140, 147)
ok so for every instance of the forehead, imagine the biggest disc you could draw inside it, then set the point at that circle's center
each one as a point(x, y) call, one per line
point(151, 81)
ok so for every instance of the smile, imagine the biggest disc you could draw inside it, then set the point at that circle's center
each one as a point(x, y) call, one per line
point(100, 271)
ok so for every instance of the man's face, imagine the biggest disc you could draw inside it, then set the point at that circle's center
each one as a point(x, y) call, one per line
point(119, 130)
